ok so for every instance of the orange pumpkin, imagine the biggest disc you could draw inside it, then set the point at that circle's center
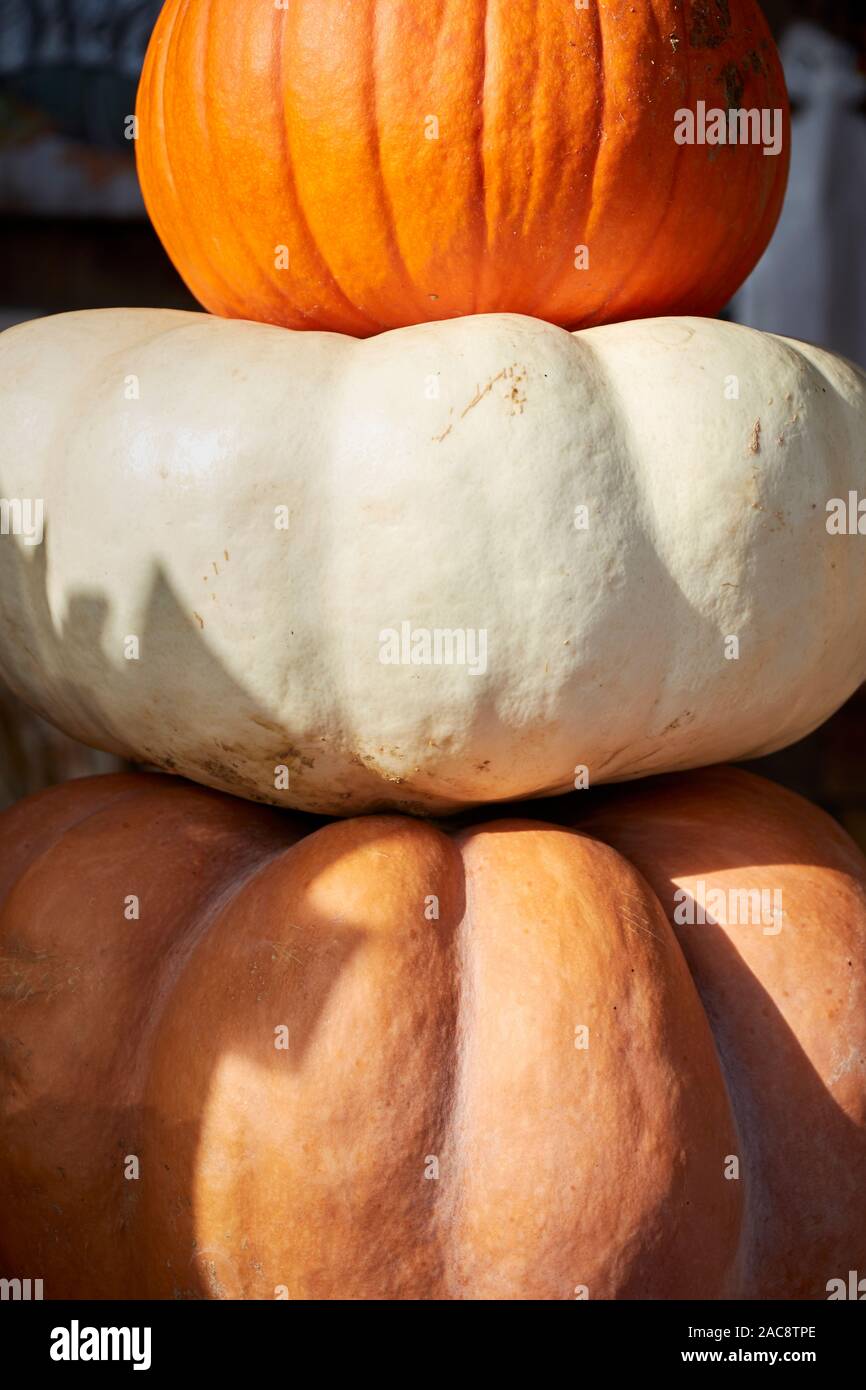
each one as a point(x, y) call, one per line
point(355, 167)
point(246, 1054)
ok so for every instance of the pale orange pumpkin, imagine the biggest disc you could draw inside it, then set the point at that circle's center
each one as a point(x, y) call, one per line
point(354, 167)
point(246, 1054)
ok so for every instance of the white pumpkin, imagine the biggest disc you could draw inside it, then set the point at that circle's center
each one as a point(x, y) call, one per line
point(255, 540)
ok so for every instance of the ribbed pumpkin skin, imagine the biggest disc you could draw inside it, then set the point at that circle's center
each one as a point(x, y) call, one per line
point(307, 128)
point(416, 1041)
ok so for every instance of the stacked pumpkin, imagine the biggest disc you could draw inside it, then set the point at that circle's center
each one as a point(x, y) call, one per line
point(553, 531)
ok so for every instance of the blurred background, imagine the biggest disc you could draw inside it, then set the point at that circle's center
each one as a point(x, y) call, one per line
point(73, 235)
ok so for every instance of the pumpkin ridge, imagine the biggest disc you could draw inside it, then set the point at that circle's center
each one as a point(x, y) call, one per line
point(666, 204)
point(484, 219)
point(398, 267)
point(162, 49)
point(598, 11)
point(502, 1031)
point(280, 21)
point(220, 176)
point(83, 785)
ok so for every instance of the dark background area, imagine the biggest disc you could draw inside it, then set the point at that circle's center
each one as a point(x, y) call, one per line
point(73, 234)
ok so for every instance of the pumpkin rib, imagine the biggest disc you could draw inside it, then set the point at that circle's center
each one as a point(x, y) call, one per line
point(221, 177)
point(502, 858)
point(400, 273)
point(164, 48)
point(336, 919)
point(598, 13)
point(483, 197)
point(543, 169)
point(666, 201)
point(104, 787)
point(281, 86)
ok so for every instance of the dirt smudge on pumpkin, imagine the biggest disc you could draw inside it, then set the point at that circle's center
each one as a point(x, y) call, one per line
point(734, 84)
point(229, 777)
point(756, 63)
point(25, 973)
point(711, 23)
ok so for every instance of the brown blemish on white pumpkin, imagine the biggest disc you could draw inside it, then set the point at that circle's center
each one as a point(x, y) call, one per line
point(294, 759)
point(199, 619)
point(480, 393)
point(680, 721)
point(512, 395)
point(645, 757)
point(223, 772)
point(610, 758)
point(437, 438)
point(266, 724)
point(755, 438)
